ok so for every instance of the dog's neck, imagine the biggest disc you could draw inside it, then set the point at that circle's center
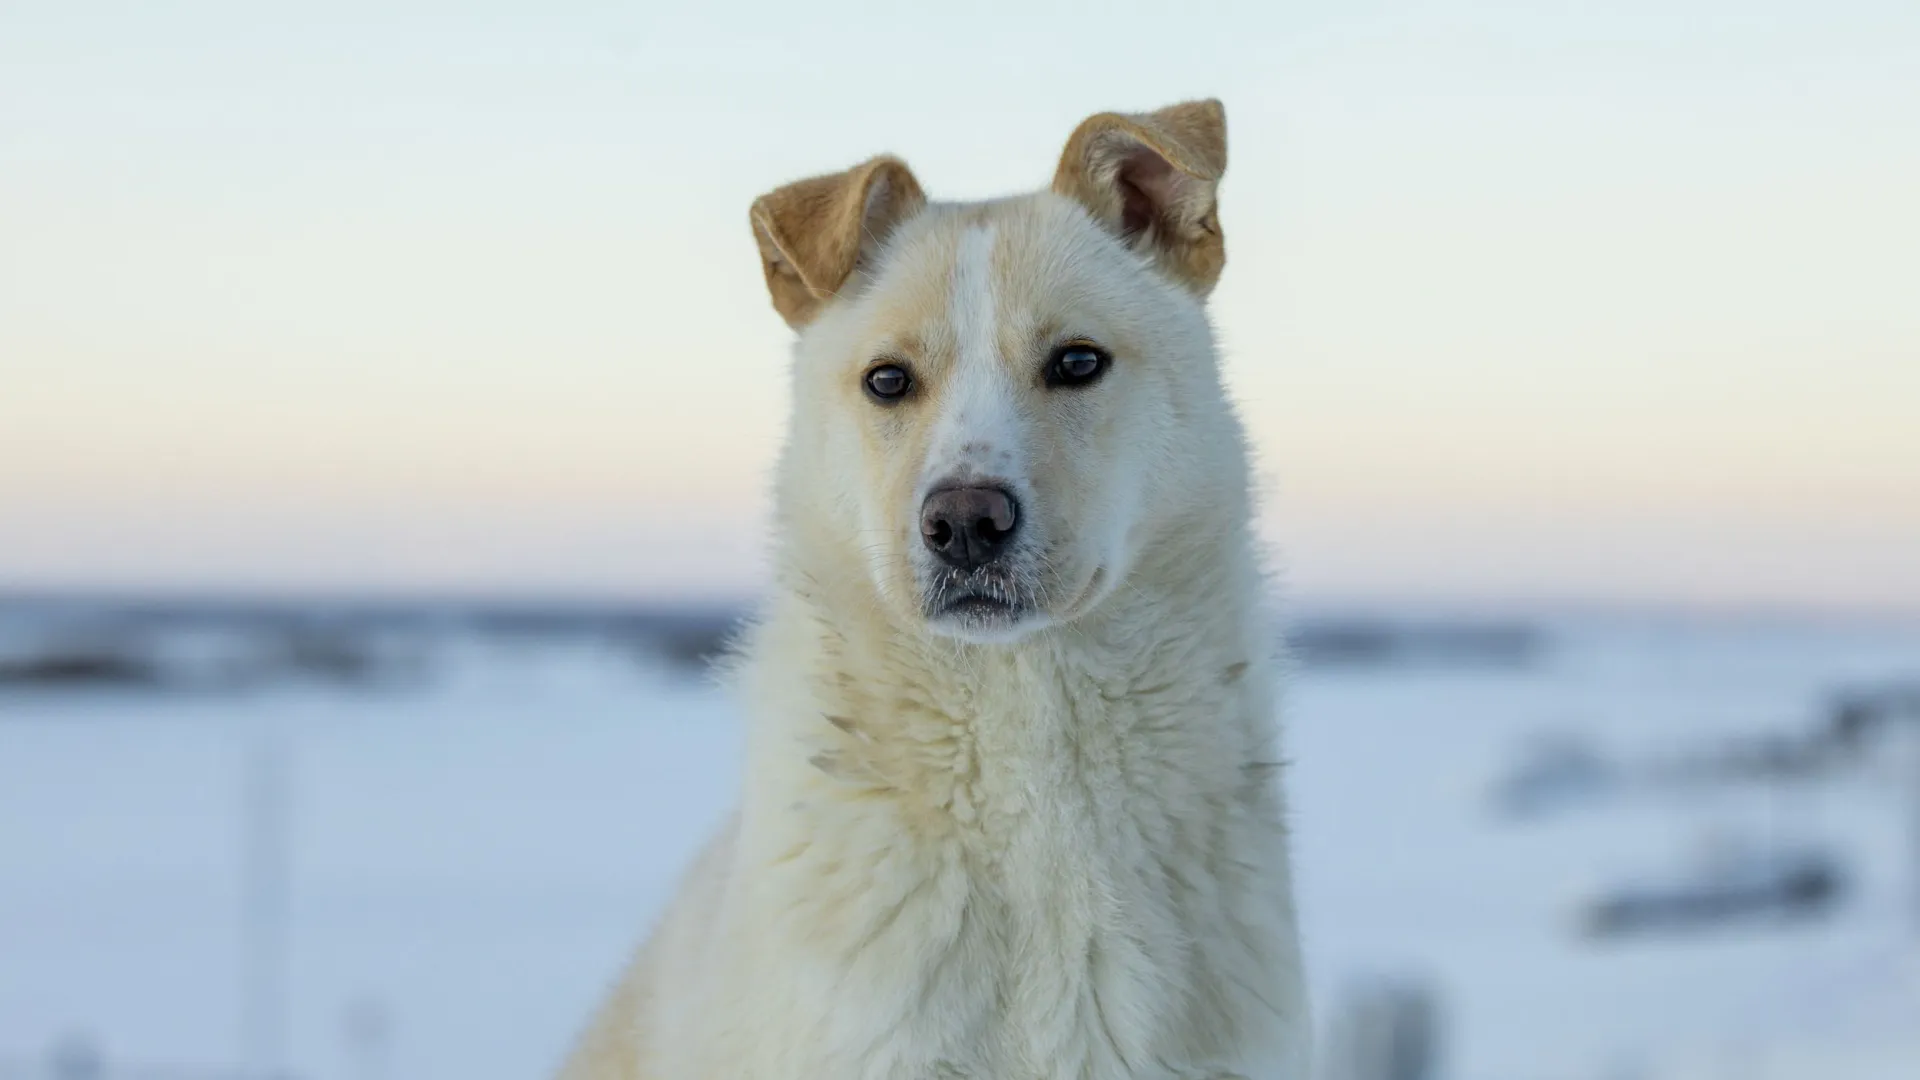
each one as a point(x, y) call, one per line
point(1190, 604)
point(1162, 694)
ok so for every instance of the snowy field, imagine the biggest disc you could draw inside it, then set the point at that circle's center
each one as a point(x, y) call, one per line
point(474, 856)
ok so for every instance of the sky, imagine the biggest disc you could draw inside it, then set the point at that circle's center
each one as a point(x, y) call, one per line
point(1615, 302)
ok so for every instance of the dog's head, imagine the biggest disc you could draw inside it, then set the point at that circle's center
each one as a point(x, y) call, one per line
point(997, 405)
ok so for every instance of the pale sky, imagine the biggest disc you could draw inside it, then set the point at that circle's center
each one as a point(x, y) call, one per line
point(1607, 301)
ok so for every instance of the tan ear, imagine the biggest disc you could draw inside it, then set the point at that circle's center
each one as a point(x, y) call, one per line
point(1152, 178)
point(815, 233)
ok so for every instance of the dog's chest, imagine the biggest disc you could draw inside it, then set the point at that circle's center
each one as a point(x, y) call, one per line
point(1067, 880)
point(1097, 913)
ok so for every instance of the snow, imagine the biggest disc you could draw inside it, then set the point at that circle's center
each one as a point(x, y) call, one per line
point(475, 856)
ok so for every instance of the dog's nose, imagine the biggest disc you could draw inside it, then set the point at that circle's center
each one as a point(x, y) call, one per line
point(968, 527)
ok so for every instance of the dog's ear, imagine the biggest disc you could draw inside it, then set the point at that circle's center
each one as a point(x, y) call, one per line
point(1151, 178)
point(815, 233)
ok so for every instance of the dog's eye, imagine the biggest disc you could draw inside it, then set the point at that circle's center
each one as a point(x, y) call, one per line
point(1076, 365)
point(889, 382)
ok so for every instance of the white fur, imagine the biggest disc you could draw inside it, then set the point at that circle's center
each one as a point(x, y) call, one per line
point(975, 437)
point(1059, 854)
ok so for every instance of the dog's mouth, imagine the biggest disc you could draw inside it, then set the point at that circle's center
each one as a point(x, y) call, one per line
point(980, 618)
point(979, 606)
point(976, 605)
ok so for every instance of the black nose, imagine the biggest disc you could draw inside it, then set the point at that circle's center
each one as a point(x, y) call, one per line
point(968, 526)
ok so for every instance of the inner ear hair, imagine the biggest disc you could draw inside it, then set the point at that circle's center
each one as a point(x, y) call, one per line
point(1143, 178)
point(1153, 179)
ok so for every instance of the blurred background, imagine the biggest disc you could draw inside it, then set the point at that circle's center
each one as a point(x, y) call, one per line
point(387, 400)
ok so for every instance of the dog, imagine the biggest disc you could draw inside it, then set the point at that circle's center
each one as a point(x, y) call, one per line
point(1011, 806)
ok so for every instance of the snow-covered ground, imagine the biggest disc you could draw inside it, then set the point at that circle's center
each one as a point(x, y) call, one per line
point(474, 857)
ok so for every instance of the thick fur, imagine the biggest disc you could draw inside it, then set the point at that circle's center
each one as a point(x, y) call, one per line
point(1035, 845)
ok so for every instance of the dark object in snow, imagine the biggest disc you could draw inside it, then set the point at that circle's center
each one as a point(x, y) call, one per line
point(77, 645)
point(337, 656)
point(1354, 643)
point(80, 667)
point(695, 645)
point(1554, 771)
point(1384, 1029)
point(150, 663)
point(1789, 883)
point(80, 1057)
point(76, 1057)
point(689, 641)
point(1760, 757)
point(1858, 715)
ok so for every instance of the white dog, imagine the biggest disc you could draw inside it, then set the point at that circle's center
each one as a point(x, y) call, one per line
point(1010, 809)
